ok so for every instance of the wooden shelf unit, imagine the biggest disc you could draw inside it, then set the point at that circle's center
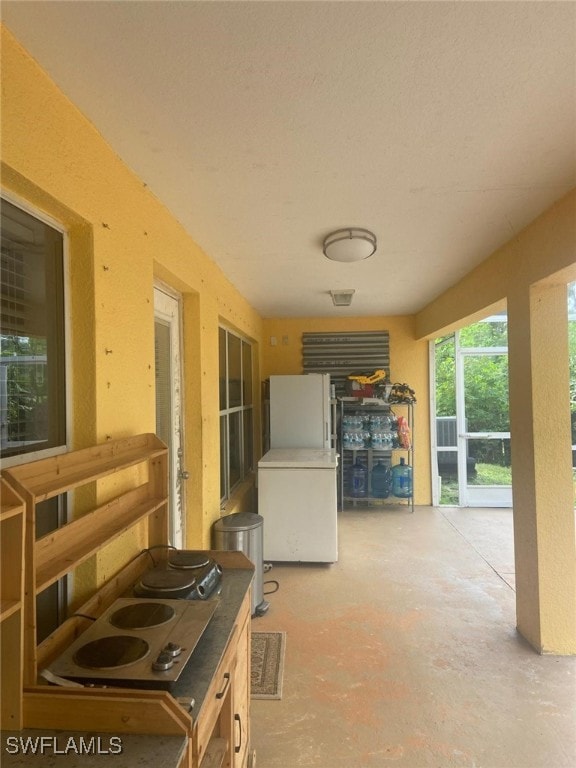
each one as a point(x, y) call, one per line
point(61, 551)
point(11, 605)
point(220, 730)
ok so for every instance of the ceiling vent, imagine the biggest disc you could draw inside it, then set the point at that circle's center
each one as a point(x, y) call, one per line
point(342, 298)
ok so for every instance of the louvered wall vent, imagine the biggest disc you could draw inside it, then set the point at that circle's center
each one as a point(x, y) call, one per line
point(341, 354)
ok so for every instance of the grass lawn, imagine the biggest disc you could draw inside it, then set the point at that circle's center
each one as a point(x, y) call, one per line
point(492, 474)
point(486, 474)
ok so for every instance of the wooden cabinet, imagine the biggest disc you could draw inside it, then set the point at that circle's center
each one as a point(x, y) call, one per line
point(133, 472)
point(241, 695)
point(215, 716)
point(11, 609)
point(223, 726)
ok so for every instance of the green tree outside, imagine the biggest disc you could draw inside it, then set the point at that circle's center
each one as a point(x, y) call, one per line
point(485, 385)
point(486, 377)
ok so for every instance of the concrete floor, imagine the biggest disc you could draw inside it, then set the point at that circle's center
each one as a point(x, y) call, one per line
point(405, 653)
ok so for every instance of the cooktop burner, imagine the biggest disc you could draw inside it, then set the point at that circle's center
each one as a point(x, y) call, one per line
point(111, 652)
point(163, 580)
point(188, 559)
point(137, 643)
point(140, 615)
point(188, 575)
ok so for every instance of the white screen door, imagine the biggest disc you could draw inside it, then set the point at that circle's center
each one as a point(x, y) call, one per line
point(486, 440)
point(472, 421)
point(167, 323)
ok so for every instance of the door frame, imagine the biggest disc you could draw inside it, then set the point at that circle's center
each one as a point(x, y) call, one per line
point(168, 311)
point(475, 495)
point(468, 495)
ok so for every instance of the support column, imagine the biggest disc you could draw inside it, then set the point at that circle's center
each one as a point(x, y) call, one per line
point(543, 494)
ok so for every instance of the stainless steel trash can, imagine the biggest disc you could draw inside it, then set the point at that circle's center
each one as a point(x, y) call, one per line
point(243, 532)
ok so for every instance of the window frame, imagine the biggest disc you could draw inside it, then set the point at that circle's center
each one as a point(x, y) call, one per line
point(246, 468)
point(63, 588)
point(26, 207)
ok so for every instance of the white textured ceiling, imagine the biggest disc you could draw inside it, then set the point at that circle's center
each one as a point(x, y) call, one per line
point(444, 127)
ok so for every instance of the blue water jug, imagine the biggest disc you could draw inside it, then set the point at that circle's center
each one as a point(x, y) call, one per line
point(402, 480)
point(380, 480)
point(358, 480)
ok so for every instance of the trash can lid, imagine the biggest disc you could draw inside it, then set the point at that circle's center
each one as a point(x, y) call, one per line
point(239, 521)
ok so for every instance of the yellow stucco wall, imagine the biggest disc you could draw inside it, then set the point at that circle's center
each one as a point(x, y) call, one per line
point(408, 358)
point(529, 275)
point(120, 239)
point(544, 251)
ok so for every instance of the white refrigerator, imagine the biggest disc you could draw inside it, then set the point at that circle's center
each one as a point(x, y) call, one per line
point(297, 499)
point(297, 478)
point(300, 411)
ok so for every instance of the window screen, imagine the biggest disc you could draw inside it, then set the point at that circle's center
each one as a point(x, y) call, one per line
point(32, 361)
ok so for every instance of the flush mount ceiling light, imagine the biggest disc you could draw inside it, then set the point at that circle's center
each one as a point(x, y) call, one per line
point(350, 244)
point(343, 297)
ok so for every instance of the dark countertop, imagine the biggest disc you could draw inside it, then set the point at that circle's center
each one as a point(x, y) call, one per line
point(65, 749)
point(199, 671)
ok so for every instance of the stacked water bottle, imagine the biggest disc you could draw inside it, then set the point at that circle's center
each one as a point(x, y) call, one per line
point(369, 431)
point(378, 431)
point(382, 434)
point(354, 432)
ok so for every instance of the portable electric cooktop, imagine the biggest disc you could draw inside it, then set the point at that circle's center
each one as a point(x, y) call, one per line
point(188, 575)
point(143, 643)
